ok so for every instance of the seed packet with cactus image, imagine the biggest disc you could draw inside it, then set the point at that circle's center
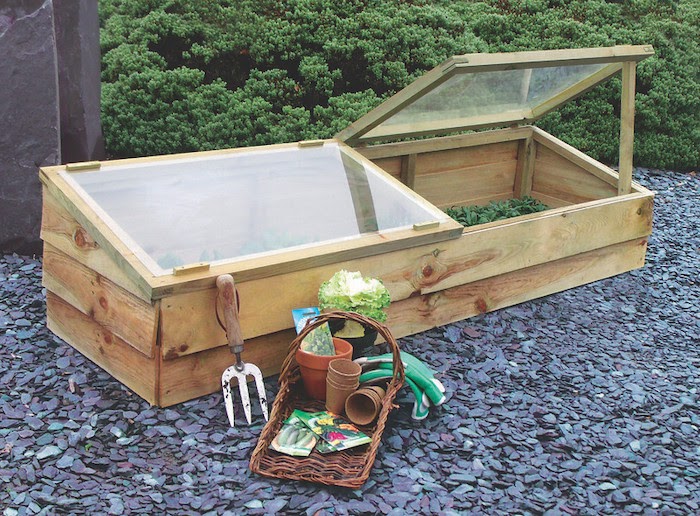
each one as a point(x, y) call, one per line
point(333, 429)
point(294, 438)
point(319, 341)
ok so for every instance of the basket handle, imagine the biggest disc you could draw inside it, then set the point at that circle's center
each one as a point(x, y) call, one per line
point(313, 323)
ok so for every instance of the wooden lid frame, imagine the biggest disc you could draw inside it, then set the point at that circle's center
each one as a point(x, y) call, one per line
point(369, 128)
point(154, 283)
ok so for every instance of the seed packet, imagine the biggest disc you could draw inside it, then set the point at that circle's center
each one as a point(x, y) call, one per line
point(334, 430)
point(323, 447)
point(294, 438)
point(319, 341)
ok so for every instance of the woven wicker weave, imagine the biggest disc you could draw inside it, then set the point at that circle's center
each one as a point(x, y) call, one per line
point(348, 468)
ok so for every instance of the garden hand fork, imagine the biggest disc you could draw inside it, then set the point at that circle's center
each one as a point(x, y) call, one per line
point(226, 298)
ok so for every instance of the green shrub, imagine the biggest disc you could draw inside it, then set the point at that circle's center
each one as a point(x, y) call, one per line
point(184, 75)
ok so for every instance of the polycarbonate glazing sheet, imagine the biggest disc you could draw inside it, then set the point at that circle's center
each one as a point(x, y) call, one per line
point(229, 206)
point(465, 97)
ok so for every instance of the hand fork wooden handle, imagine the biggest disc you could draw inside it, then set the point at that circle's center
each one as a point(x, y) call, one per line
point(226, 298)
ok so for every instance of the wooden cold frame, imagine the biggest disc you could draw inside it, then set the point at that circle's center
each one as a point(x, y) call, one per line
point(160, 335)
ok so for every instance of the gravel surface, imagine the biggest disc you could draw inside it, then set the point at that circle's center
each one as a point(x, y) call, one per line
point(584, 402)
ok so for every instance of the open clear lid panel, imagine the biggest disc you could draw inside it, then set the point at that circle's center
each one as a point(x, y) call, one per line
point(475, 98)
point(487, 90)
point(237, 205)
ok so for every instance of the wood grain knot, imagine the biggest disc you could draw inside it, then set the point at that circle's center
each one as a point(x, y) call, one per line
point(83, 240)
point(174, 353)
point(481, 305)
point(171, 354)
point(103, 303)
point(429, 271)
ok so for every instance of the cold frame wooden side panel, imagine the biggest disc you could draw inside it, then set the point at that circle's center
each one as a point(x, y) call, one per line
point(474, 175)
point(421, 313)
point(502, 247)
point(566, 182)
point(197, 374)
point(391, 166)
point(102, 347)
point(188, 320)
point(60, 229)
point(118, 311)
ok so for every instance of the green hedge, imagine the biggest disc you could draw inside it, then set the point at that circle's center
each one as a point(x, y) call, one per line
point(183, 75)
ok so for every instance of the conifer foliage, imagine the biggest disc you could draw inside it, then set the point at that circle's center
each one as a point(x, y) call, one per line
point(186, 75)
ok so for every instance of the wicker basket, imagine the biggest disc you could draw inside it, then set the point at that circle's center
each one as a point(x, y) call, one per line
point(348, 468)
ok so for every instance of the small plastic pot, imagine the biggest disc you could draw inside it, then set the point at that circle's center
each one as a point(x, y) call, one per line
point(361, 346)
point(314, 368)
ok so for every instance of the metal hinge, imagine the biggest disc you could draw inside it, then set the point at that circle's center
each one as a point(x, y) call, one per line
point(312, 143)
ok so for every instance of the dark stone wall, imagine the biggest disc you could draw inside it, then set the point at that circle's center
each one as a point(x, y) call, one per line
point(29, 120)
point(49, 105)
point(77, 29)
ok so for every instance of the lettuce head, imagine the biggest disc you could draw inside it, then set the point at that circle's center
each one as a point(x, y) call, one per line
point(350, 292)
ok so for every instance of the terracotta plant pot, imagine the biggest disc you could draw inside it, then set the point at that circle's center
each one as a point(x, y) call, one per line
point(314, 368)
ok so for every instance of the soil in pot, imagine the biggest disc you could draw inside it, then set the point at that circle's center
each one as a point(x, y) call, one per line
point(361, 344)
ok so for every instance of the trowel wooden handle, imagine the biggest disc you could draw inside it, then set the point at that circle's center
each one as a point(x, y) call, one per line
point(227, 300)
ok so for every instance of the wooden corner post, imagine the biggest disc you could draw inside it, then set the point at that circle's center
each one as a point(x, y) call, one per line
point(624, 185)
point(525, 168)
point(408, 170)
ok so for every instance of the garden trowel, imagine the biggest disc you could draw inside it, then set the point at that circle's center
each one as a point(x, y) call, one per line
point(226, 299)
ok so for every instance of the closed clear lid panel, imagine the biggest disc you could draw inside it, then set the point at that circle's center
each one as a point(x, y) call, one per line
point(226, 207)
